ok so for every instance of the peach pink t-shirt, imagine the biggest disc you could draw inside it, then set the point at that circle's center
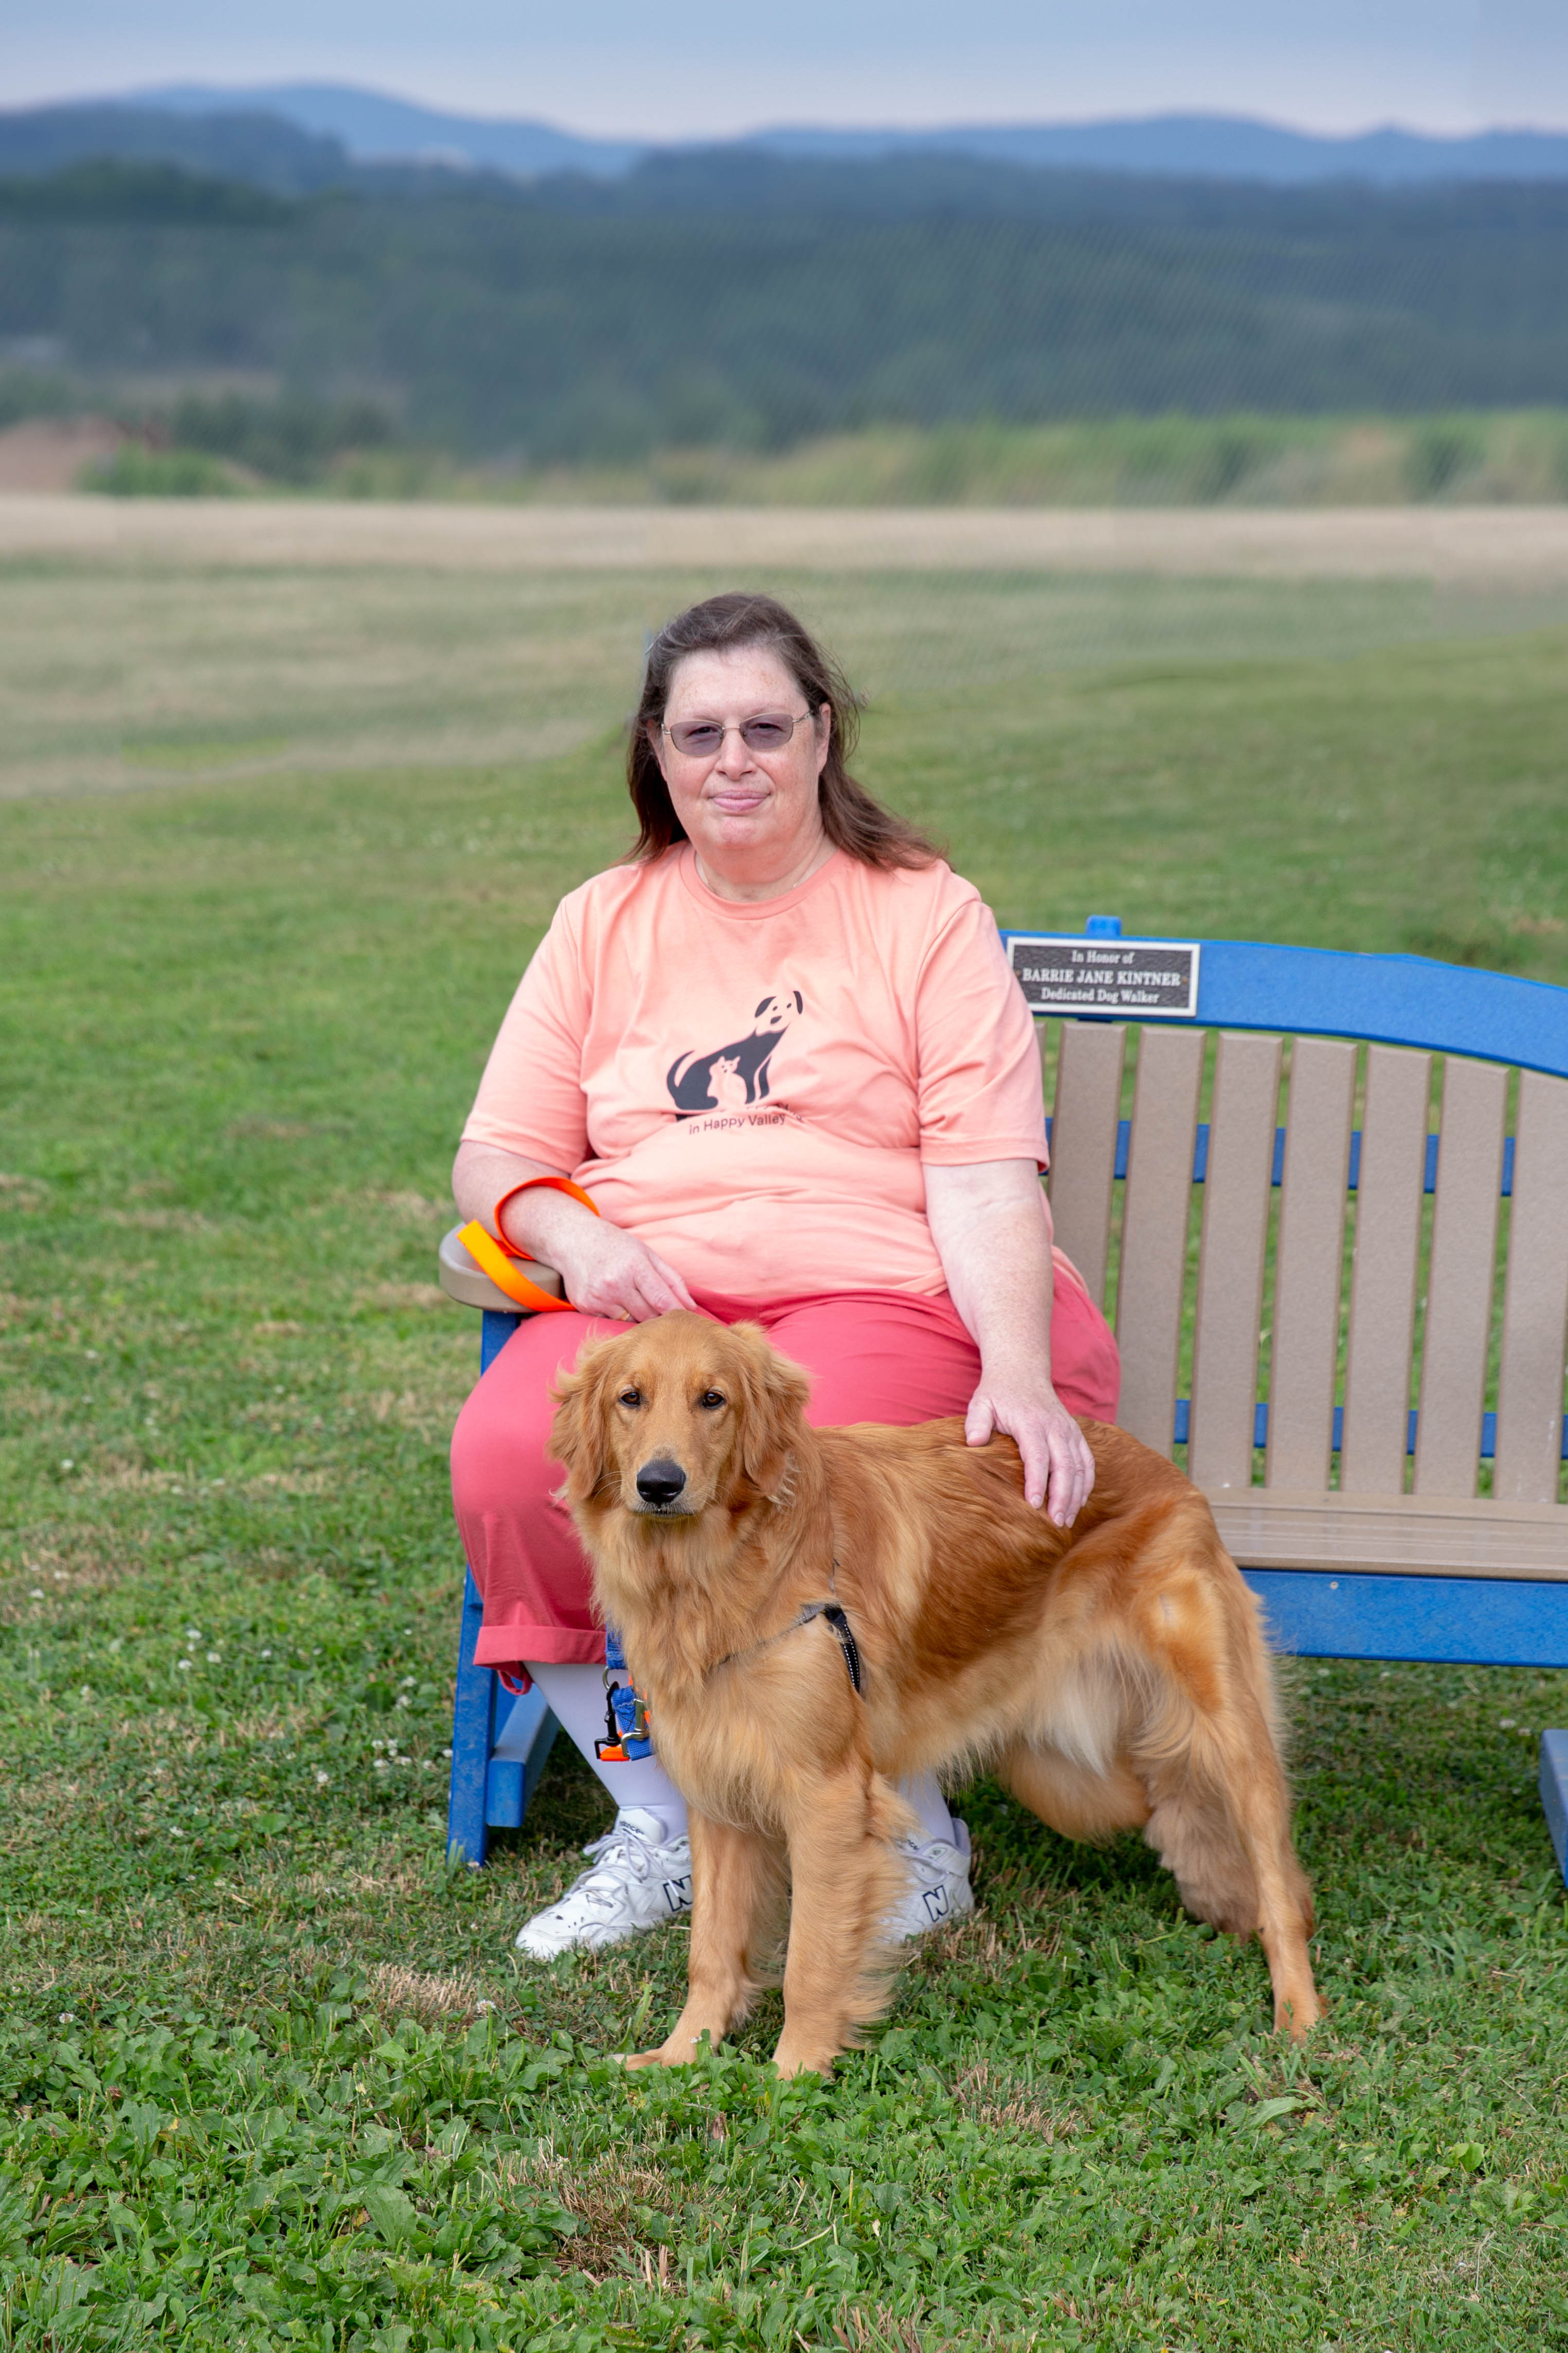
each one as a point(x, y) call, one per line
point(757, 1089)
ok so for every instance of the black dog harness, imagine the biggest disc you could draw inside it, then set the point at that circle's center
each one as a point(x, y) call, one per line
point(834, 1613)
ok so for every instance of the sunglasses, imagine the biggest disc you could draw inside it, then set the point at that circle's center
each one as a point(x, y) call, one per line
point(703, 739)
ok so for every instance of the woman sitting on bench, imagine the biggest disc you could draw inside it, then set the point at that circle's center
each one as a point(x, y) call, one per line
point(774, 1066)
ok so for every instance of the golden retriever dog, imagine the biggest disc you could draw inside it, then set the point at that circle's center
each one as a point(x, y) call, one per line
point(811, 1614)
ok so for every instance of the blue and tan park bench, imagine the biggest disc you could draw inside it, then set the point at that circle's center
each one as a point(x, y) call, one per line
point(1326, 1196)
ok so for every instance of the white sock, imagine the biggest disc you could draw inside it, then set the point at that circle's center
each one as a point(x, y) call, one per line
point(576, 1697)
point(922, 1794)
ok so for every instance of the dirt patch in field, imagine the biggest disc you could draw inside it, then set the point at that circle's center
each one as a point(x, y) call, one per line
point(44, 455)
point(1482, 544)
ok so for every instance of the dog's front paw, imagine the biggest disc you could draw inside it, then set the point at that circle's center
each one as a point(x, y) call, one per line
point(679, 2050)
point(798, 2060)
point(1297, 2013)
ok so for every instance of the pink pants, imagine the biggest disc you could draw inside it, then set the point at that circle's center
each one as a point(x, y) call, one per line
point(873, 1355)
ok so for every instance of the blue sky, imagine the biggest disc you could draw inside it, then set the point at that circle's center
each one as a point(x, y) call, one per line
point(695, 67)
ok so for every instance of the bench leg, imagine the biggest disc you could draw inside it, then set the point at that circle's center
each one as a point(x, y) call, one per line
point(500, 1745)
point(473, 1737)
point(518, 1755)
point(1554, 1792)
point(1483, 1621)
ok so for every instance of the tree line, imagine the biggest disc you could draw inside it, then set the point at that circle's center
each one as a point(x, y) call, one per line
point(752, 302)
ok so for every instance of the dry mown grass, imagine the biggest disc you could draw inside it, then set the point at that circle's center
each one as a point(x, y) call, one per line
point(241, 665)
point(1383, 543)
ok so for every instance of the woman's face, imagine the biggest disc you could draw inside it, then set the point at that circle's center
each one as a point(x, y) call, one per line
point(747, 812)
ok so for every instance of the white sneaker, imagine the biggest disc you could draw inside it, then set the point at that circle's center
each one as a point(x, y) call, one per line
point(640, 1878)
point(939, 1886)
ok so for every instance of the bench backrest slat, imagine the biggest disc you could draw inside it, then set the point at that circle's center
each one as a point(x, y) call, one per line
point(1083, 1139)
point(1309, 1268)
point(1155, 1213)
point(1535, 1305)
point(1231, 1262)
point(1468, 1379)
point(1389, 1190)
point(1460, 1279)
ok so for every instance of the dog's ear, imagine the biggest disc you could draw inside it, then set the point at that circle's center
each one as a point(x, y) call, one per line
point(578, 1436)
point(772, 1399)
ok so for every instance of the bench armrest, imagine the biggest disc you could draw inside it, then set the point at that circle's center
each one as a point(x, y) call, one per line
point(466, 1282)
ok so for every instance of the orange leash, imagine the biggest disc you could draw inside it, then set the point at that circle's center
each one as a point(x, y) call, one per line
point(487, 1252)
point(499, 1260)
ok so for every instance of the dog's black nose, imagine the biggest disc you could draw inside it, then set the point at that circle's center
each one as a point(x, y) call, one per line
point(661, 1480)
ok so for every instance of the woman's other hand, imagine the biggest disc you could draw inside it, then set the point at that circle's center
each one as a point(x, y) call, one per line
point(607, 1272)
point(605, 1269)
point(1057, 1464)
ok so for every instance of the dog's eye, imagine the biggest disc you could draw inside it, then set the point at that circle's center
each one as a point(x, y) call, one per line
point(629, 1398)
point(710, 1401)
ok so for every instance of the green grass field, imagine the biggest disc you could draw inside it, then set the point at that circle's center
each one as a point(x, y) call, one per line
point(275, 848)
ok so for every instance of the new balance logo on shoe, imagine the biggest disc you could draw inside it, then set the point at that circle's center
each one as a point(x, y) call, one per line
point(939, 1883)
point(638, 1880)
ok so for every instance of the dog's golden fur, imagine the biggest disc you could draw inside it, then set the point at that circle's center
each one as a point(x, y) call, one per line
point(1113, 1673)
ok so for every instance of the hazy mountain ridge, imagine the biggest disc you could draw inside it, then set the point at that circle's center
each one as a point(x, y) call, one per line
point(1224, 147)
point(325, 130)
point(371, 127)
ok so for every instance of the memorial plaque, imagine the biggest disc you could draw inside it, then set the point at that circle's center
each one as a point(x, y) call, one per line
point(1127, 979)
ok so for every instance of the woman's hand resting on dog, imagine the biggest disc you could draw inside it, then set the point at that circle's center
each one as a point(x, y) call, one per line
point(991, 1227)
point(1058, 1462)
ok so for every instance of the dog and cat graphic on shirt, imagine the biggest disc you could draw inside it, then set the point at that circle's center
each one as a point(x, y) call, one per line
point(733, 1078)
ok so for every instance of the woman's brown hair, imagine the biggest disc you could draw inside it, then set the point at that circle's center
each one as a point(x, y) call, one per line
point(851, 820)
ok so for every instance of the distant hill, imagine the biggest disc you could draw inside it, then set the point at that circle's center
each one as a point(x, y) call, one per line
point(373, 128)
point(264, 149)
point(368, 127)
point(1207, 146)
